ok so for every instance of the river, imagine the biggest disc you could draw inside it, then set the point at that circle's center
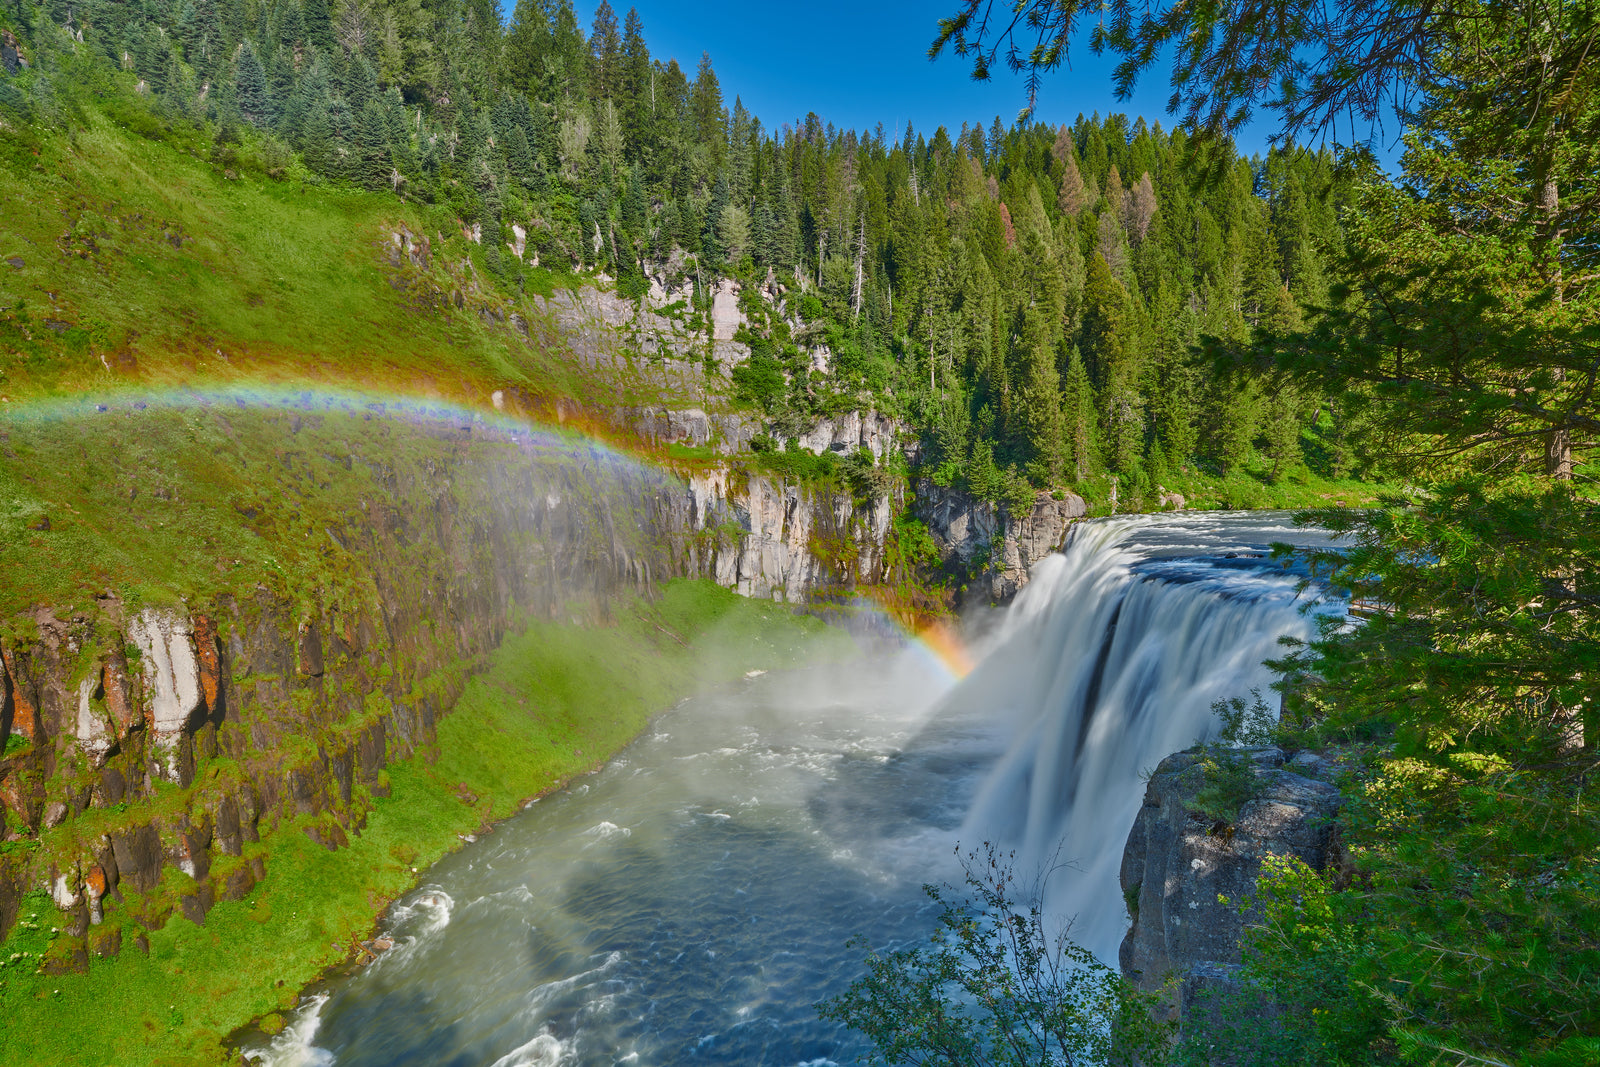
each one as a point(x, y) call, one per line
point(689, 902)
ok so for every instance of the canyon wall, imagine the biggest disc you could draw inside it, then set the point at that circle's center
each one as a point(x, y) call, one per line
point(153, 741)
point(163, 738)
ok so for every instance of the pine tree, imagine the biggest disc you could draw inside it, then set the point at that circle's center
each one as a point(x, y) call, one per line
point(527, 43)
point(1106, 322)
point(605, 54)
point(636, 92)
point(251, 87)
point(372, 165)
point(635, 209)
point(280, 89)
point(318, 22)
point(519, 158)
point(316, 140)
point(705, 106)
point(1071, 196)
point(1041, 402)
point(733, 233)
point(1281, 430)
point(740, 153)
point(571, 53)
point(1078, 406)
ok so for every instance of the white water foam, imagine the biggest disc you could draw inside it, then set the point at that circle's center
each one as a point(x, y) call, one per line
point(543, 1051)
point(294, 1046)
point(607, 831)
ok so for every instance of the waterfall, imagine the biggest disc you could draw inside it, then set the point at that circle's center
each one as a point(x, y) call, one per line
point(1108, 661)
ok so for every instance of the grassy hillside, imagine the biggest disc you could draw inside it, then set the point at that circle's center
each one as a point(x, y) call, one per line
point(134, 256)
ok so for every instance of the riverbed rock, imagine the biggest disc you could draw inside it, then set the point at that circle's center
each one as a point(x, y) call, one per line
point(1185, 876)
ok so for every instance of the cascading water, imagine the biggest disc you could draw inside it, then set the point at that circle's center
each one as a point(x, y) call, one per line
point(1109, 661)
point(692, 900)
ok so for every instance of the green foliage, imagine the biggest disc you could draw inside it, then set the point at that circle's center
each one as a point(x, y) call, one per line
point(1475, 821)
point(795, 464)
point(1227, 768)
point(759, 380)
point(947, 277)
point(1299, 952)
point(994, 986)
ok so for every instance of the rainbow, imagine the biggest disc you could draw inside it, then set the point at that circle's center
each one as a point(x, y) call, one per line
point(573, 433)
point(935, 642)
point(941, 641)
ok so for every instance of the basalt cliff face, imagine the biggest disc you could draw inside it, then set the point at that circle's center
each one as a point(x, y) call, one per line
point(164, 738)
point(997, 548)
point(764, 538)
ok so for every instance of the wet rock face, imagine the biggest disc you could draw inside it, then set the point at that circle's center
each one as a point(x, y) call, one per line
point(767, 539)
point(1177, 863)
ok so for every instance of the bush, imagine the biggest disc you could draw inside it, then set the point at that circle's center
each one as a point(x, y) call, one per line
point(993, 986)
point(759, 380)
point(1230, 774)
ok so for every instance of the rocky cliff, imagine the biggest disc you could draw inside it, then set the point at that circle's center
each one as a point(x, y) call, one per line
point(988, 543)
point(765, 538)
point(152, 739)
point(1185, 875)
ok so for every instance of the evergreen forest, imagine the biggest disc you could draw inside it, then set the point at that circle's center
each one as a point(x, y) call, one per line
point(1027, 297)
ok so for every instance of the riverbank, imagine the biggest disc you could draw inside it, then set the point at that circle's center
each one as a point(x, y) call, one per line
point(555, 700)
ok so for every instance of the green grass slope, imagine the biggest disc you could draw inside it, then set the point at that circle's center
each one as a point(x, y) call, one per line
point(130, 255)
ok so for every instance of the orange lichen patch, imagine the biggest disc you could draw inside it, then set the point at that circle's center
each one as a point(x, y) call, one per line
point(94, 882)
point(205, 643)
point(119, 701)
point(24, 716)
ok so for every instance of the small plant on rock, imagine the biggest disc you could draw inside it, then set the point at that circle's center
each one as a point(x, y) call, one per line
point(993, 985)
point(1230, 773)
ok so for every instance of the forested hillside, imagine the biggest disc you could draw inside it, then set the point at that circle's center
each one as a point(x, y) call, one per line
point(1027, 297)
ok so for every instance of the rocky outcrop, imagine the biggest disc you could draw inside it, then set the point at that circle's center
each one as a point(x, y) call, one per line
point(853, 430)
point(11, 57)
point(1185, 876)
point(728, 432)
point(765, 538)
point(998, 550)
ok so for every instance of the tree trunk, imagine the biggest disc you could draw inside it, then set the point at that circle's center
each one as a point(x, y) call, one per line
point(1558, 454)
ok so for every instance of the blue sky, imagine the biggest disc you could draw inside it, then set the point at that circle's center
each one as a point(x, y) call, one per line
point(860, 63)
